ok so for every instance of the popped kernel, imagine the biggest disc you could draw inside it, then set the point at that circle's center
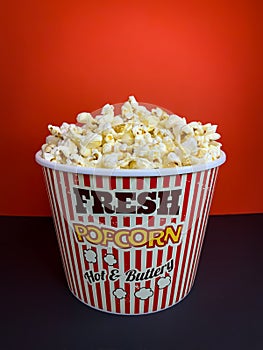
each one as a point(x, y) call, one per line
point(137, 138)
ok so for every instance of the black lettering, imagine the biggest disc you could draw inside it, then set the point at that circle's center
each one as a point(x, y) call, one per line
point(89, 276)
point(169, 202)
point(102, 202)
point(130, 275)
point(82, 195)
point(114, 275)
point(148, 205)
point(125, 206)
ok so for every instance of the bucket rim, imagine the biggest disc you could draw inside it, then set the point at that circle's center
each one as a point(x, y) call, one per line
point(130, 172)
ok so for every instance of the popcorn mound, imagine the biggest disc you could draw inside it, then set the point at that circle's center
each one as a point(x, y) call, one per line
point(137, 138)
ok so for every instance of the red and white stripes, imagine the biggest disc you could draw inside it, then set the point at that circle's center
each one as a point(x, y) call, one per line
point(138, 279)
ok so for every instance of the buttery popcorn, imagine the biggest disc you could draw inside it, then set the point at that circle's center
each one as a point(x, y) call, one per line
point(137, 138)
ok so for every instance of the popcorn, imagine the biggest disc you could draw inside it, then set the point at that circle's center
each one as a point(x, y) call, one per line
point(110, 161)
point(137, 138)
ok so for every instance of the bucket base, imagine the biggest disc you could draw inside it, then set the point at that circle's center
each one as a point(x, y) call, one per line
point(128, 314)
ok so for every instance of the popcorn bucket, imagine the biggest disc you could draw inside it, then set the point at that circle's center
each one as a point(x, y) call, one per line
point(130, 240)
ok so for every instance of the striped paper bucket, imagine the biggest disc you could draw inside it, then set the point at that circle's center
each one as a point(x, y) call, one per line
point(130, 240)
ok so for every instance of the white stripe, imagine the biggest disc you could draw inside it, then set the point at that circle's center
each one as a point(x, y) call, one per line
point(183, 236)
point(91, 267)
point(185, 231)
point(172, 275)
point(82, 261)
point(200, 222)
point(143, 268)
point(85, 222)
point(71, 239)
point(164, 250)
point(196, 221)
point(181, 199)
point(74, 289)
point(132, 285)
point(132, 257)
point(192, 232)
point(203, 221)
point(57, 215)
point(101, 283)
point(57, 225)
point(121, 281)
point(162, 222)
point(100, 264)
point(161, 294)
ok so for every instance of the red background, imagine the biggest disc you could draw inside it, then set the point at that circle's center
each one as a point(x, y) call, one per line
point(200, 59)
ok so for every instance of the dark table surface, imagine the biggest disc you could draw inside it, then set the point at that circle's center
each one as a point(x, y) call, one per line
point(223, 311)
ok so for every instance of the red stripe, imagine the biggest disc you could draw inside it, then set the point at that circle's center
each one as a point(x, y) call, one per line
point(86, 267)
point(170, 253)
point(198, 175)
point(81, 271)
point(52, 198)
point(113, 183)
point(169, 256)
point(156, 290)
point(115, 252)
point(148, 283)
point(75, 179)
point(151, 220)
point(153, 182)
point(204, 220)
point(191, 207)
point(197, 233)
point(114, 221)
point(166, 181)
point(205, 214)
point(102, 220)
point(99, 181)
point(86, 180)
point(178, 179)
point(89, 266)
point(138, 220)
point(90, 290)
point(69, 199)
point(162, 221)
point(125, 182)
point(165, 290)
point(175, 274)
point(186, 195)
point(188, 178)
point(126, 221)
point(140, 183)
point(60, 233)
point(138, 285)
point(106, 283)
point(177, 183)
point(127, 285)
point(182, 267)
point(66, 234)
point(97, 284)
point(90, 218)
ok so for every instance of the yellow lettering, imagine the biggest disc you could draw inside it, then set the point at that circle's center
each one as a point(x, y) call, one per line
point(80, 231)
point(108, 235)
point(97, 239)
point(155, 238)
point(134, 234)
point(137, 237)
point(173, 235)
point(119, 238)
